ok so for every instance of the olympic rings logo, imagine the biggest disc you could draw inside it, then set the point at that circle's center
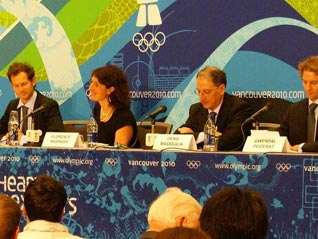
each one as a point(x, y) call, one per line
point(149, 41)
point(111, 162)
point(34, 158)
point(193, 164)
point(283, 167)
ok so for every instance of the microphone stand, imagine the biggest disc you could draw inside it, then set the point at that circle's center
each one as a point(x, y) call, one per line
point(256, 125)
point(32, 128)
point(31, 144)
point(153, 123)
point(153, 116)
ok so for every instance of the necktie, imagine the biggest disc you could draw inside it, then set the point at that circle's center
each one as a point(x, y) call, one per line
point(212, 115)
point(311, 122)
point(24, 119)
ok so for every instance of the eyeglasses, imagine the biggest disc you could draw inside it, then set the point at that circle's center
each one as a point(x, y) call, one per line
point(204, 92)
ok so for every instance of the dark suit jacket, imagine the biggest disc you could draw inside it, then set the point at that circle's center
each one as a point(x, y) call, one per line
point(232, 114)
point(294, 126)
point(48, 120)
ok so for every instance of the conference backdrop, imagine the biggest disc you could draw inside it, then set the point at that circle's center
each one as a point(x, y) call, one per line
point(160, 45)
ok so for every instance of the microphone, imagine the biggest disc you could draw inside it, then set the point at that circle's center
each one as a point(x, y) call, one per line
point(265, 108)
point(153, 114)
point(42, 107)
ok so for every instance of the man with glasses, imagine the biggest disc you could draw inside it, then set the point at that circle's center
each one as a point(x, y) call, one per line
point(230, 110)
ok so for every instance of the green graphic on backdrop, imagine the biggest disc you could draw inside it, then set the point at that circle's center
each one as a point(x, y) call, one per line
point(306, 8)
point(93, 29)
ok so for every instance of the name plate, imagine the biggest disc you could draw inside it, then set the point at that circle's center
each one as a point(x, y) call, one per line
point(174, 141)
point(33, 135)
point(263, 141)
point(62, 140)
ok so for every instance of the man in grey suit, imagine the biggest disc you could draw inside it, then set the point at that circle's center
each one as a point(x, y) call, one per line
point(295, 123)
point(23, 82)
point(230, 110)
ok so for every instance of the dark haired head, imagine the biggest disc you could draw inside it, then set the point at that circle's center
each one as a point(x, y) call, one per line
point(113, 76)
point(233, 213)
point(10, 214)
point(45, 199)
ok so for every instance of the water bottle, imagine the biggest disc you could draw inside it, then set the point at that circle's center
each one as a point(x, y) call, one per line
point(209, 136)
point(13, 126)
point(92, 132)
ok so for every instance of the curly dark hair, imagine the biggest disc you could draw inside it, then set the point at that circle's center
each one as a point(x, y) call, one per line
point(18, 67)
point(112, 75)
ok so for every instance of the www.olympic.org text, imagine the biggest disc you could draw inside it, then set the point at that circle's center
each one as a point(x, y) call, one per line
point(73, 161)
point(254, 167)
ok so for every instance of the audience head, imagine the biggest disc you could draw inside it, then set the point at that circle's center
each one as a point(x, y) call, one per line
point(110, 82)
point(45, 199)
point(21, 76)
point(211, 86)
point(182, 233)
point(10, 214)
point(233, 213)
point(174, 208)
point(308, 71)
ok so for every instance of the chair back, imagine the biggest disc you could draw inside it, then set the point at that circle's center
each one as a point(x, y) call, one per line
point(77, 126)
point(146, 127)
point(275, 115)
point(266, 126)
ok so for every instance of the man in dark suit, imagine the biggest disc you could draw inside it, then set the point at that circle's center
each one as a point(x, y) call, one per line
point(23, 82)
point(230, 110)
point(294, 124)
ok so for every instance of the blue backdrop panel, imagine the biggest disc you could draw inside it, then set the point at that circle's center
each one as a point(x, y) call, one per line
point(110, 190)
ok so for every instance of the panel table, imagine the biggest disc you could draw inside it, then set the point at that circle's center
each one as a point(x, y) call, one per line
point(110, 190)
